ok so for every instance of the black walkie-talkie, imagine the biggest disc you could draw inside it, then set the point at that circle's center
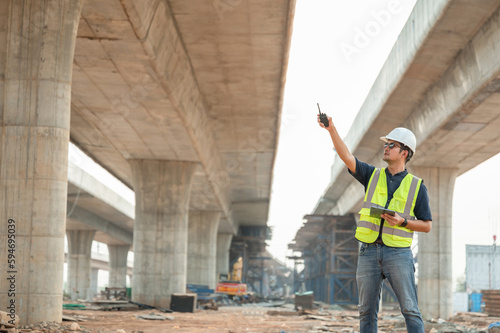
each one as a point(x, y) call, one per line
point(323, 117)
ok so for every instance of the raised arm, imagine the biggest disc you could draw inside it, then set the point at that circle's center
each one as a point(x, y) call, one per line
point(341, 148)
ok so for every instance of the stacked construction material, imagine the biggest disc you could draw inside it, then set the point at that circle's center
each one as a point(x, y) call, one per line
point(491, 299)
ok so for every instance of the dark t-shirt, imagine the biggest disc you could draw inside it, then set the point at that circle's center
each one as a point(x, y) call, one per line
point(422, 210)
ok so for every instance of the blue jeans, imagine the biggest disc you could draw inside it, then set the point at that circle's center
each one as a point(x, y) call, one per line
point(376, 261)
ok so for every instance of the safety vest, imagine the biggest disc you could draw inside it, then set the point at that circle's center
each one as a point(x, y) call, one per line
point(403, 202)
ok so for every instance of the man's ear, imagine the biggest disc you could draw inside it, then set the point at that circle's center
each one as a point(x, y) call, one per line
point(406, 151)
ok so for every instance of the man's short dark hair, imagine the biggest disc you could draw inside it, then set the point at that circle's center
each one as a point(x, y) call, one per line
point(410, 152)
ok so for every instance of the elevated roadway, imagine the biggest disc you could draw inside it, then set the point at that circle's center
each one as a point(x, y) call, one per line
point(187, 81)
point(441, 80)
point(93, 205)
point(96, 211)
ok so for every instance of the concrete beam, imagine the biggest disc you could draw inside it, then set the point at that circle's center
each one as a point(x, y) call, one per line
point(155, 27)
point(101, 262)
point(98, 223)
point(83, 180)
point(455, 103)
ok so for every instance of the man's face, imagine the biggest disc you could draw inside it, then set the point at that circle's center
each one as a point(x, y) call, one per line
point(393, 151)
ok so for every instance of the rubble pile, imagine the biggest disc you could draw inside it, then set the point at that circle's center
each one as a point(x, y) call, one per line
point(45, 327)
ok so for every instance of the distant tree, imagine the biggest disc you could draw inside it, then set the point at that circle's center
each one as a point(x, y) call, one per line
point(461, 285)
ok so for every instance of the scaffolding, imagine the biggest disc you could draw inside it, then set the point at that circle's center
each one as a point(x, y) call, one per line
point(330, 253)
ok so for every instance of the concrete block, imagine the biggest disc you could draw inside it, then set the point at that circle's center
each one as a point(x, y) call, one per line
point(183, 302)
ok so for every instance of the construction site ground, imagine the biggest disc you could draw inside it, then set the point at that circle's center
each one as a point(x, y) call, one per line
point(261, 318)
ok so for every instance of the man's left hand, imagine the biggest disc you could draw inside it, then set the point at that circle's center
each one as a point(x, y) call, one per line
point(393, 220)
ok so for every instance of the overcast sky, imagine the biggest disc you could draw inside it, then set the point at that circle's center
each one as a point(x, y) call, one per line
point(337, 51)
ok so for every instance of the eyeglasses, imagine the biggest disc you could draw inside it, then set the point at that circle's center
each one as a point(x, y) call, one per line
point(392, 145)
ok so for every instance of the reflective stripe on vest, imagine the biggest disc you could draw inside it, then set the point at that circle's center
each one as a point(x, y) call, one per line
point(403, 202)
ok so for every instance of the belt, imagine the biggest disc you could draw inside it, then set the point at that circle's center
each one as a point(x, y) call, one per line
point(378, 241)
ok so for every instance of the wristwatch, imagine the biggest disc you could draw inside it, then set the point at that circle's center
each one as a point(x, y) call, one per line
point(405, 223)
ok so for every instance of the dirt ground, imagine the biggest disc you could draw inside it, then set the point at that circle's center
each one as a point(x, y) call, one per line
point(260, 319)
point(227, 319)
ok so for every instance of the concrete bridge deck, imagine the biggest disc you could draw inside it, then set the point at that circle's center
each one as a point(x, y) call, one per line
point(93, 205)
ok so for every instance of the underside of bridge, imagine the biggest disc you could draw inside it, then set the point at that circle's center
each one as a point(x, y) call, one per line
point(180, 100)
point(192, 81)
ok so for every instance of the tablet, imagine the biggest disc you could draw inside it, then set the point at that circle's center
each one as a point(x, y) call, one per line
point(377, 211)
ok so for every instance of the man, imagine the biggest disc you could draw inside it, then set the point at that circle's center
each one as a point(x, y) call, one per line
point(385, 251)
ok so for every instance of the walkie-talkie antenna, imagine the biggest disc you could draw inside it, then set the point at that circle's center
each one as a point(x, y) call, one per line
point(323, 117)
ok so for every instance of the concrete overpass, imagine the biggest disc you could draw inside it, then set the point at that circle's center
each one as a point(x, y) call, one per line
point(100, 208)
point(441, 80)
point(180, 100)
point(95, 211)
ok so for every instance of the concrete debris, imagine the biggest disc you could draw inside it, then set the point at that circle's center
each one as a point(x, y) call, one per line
point(50, 327)
point(7, 320)
point(74, 327)
point(439, 321)
point(321, 317)
point(154, 316)
point(72, 318)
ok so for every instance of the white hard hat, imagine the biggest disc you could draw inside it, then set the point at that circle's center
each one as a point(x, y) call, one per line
point(403, 135)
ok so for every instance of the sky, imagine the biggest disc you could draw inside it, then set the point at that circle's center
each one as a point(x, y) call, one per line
point(337, 51)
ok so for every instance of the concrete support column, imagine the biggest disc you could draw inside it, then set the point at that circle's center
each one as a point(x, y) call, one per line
point(162, 190)
point(435, 282)
point(79, 263)
point(118, 265)
point(223, 246)
point(37, 42)
point(202, 247)
point(94, 281)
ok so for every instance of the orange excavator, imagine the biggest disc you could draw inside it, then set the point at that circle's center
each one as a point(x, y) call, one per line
point(233, 286)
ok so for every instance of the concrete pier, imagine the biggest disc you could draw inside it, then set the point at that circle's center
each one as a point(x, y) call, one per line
point(118, 265)
point(162, 190)
point(202, 247)
point(37, 42)
point(94, 281)
point(79, 263)
point(223, 246)
point(435, 281)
